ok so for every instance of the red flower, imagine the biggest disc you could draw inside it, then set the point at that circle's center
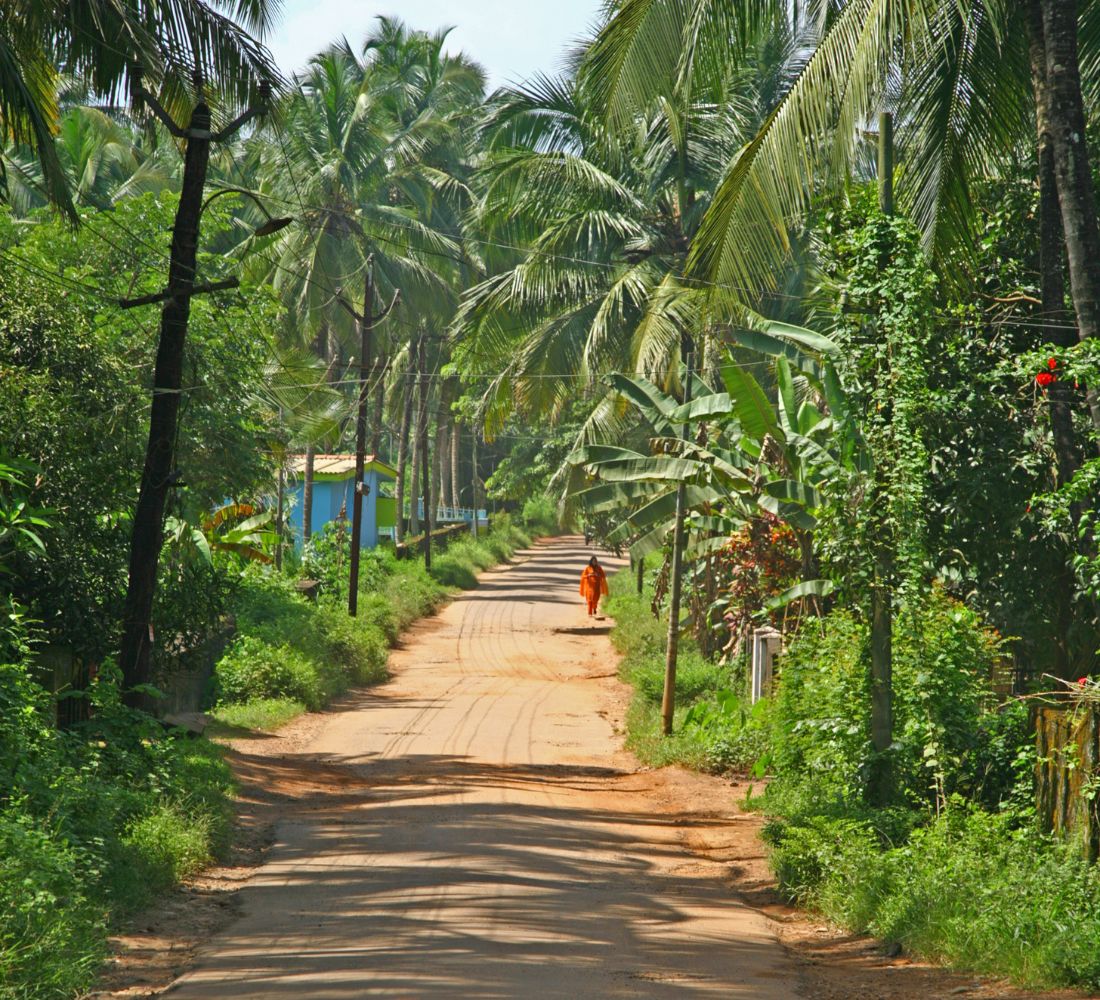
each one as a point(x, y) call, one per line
point(1052, 363)
point(1082, 681)
point(1043, 379)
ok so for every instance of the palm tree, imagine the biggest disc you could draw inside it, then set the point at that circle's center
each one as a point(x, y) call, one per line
point(596, 225)
point(968, 81)
point(113, 44)
point(367, 156)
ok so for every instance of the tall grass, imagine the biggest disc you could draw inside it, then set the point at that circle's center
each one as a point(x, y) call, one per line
point(291, 652)
point(94, 822)
point(641, 639)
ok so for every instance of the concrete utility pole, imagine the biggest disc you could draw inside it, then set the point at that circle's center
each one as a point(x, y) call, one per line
point(366, 321)
point(159, 473)
point(425, 465)
point(474, 485)
point(672, 649)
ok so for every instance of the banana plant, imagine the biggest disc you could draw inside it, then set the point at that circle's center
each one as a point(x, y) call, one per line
point(734, 451)
point(237, 528)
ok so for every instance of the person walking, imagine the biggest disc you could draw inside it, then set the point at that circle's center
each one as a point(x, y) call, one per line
point(593, 584)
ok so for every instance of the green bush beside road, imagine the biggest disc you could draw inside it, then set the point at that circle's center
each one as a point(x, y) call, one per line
point(953, 869)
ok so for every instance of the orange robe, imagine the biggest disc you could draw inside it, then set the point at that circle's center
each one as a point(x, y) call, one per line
point(593, 586)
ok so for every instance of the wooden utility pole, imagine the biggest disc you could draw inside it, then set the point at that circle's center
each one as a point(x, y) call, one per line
point(366, 321)
point(159, 474)
point(882, 612)
point(668, 698)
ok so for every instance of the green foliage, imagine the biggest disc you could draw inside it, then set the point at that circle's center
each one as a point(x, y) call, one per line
point(52, 935)
point(413, 592)
point(75, 376)
point(262, 714)
point(459, 564)
point(943, 661)
point(540, 515)
point(288, 647)
point(93, 821)
point(700, 739)
point(967, 889)
point(885, 331)
point(253, 668)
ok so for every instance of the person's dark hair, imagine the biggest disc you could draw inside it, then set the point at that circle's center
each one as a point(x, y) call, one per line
point(593, 561)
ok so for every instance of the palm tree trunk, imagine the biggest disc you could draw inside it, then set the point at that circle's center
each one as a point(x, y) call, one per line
point(439, 465)
point(423, 421)
point(378, 374)
point(414, 477)
point(1052, 292)
point(1065, 113)
point(307, 494)
point(320, 347)
point(402, 458)
point(456, 443)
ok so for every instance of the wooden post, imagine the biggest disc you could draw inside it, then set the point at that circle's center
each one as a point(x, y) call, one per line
point(668, 698)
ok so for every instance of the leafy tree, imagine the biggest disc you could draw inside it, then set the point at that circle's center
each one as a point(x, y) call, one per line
point(75, 370)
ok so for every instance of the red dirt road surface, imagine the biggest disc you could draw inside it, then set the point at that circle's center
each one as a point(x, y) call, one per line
point(473, 829)
point(488, 841)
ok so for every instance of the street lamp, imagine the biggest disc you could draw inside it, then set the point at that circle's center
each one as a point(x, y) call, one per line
point(271, 225)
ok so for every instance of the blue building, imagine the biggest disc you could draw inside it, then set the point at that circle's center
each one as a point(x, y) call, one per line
point(333, 478)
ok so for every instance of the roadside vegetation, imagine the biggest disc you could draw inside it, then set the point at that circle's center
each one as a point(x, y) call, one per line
point(290, 654)
point(104, 815)
point(954, 870)
point(794, 302)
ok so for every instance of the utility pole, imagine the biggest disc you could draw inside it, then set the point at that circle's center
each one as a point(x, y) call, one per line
point(882, 612)
point(159, 474)
point(366, 321)
point(672, 649)
point(425, 466)
point(473, 462)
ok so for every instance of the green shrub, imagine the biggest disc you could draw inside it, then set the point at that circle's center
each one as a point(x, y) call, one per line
point(253, 668)
point(540, 515)
point(413, 593)
point(942, 659)
point(165, 845)
point(355, 651)
point(376, 610)
point(967, 889)
point(96, 819)
point(52, 935)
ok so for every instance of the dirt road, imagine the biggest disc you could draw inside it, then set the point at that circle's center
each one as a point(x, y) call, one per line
point(472, 831)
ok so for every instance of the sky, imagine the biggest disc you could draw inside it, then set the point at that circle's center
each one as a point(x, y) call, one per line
point(512, 39)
